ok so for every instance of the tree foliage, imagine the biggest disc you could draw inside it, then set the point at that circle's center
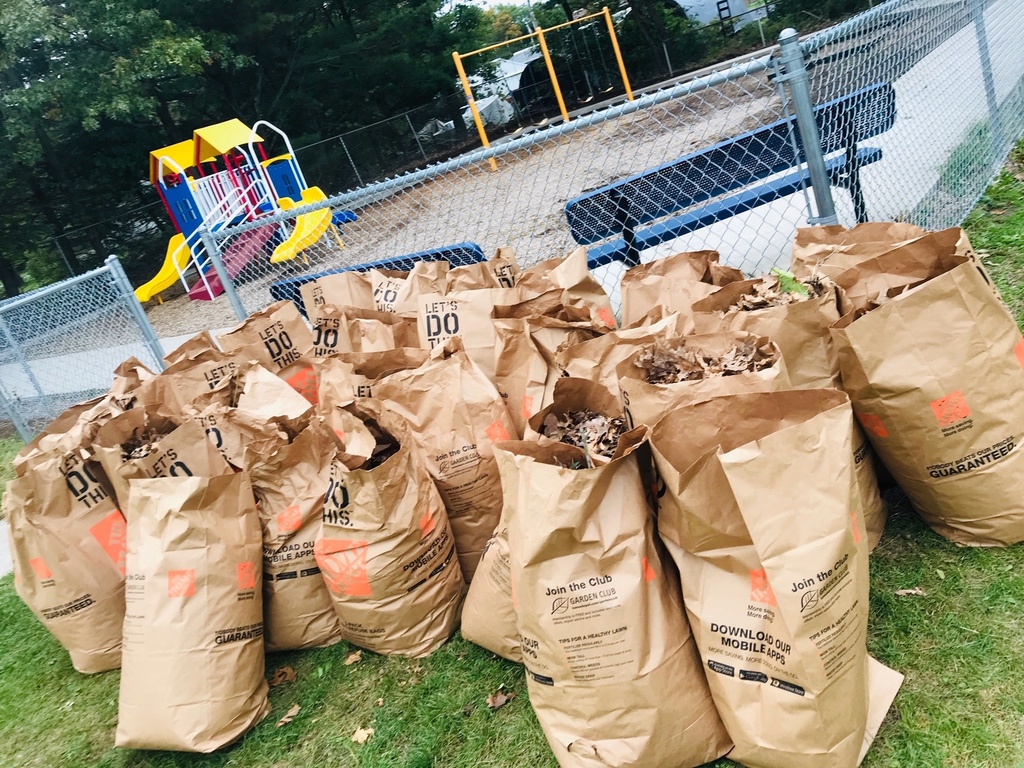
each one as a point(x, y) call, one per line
point(88, 88)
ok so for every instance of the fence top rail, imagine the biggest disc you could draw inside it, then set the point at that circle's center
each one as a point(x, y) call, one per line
point(370, 193)
point(856, 24)
point(46, 290)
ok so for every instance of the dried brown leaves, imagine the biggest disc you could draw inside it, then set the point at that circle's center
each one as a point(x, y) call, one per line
point(776, 291)
point(665, 364)
point(499, 698)
point(281, 676)
point(594, 434)
point(141, 445)
point(386, 446)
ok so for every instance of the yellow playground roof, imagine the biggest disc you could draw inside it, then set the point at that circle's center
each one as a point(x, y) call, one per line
point(181, 153)
point(214, 140)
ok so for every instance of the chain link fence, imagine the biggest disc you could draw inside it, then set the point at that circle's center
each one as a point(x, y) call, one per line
point(956, 67)
point(59, 345)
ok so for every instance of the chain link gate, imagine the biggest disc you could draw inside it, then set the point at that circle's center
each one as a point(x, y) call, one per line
point(59, 345)
point(956, 70)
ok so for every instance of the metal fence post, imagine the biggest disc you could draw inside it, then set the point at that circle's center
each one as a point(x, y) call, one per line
point(124, 287)
point(415, 136)
point(15, 417)
point(213, 251)
point(995, 121)
point(795, 75)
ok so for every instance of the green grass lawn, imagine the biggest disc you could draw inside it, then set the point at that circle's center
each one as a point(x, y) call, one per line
point(9, 447)
point(959, 644)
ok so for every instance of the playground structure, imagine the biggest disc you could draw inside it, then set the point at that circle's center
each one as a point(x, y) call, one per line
point(549, 62)
point(222, 177)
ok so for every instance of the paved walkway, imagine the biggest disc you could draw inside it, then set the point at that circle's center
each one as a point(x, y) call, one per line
point(5, 550)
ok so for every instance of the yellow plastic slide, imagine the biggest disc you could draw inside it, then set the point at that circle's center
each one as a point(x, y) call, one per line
point(309, 227)
point(177, 251)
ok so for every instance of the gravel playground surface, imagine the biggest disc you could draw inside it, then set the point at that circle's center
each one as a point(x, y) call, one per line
point(521, 204)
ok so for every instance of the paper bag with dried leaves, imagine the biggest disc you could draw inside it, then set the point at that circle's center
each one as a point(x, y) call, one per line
point(674, 283)
point(139, 443)
point(278, 338)
point(457, 441)
point(466, 314)
point(387, 553)
point(612, 668)
point(172, 392)
point(342, 378)
point(341, 289)
point(936, 379)
point(674, 372)
point(570, 274)
point(339, 330)
point(530, 336)
point(841, 248)
point(760, 511)
point(795, 315)
point(192, 676)
point(67, 540)
point(200, 348)
point(500, 271)
point(776, 306)
point(290, 478)
point(598, 359)
point(489, 614)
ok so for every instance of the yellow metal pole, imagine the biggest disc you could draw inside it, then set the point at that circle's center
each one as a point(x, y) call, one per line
point(551, 72)
point(468, 89)
point(618, 53)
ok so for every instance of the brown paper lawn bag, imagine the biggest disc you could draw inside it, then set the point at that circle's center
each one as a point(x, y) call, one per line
point(673, 372)
point(801, 330)
point(67, 541)
point(192, 677)
point(936, 376)
point(612, 668)
point(488, 614)
point(675, 283)
point(387, 552)
point(457, 440)
point(760, 511)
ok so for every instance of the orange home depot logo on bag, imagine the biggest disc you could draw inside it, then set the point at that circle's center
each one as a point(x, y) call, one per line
point(527, 406)
point(181, 583)
point(427, 524)
point(497, 432)
point(873, 424)
point(41, 568)
point(648, 571)
point(290, 520)
point(304, 382)
point(111, 534)
point(246, 576)
point(1018, 352)
point(606, 316)
point(952, 413)
point(761, 590)
point(343, 565)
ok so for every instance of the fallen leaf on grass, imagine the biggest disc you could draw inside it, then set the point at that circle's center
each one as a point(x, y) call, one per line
point(289, 715)
point(352, 658)
point(500, 698)
point(940, 573)
point(379, 702)
point(282, 676)
point(916, 592)
point(362, 735)
point(469, 709)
